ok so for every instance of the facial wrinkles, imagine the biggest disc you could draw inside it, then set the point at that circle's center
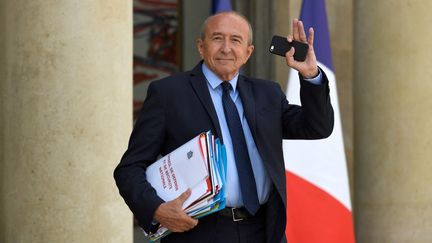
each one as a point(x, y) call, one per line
point(226, 52)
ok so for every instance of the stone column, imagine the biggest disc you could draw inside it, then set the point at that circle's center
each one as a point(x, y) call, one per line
point(260, 14)
point(66, 114)
point(393, 129)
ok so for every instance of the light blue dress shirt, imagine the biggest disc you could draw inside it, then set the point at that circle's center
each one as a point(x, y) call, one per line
point(262, 179)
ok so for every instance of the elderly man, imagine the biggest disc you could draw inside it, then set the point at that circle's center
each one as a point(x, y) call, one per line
point(252, 116)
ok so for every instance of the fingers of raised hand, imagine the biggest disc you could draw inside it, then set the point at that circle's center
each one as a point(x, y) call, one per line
point(298, 30)
point(290, 38)
point(289, 57)
point(311, 36)
point(302, 34)
point(295, 29)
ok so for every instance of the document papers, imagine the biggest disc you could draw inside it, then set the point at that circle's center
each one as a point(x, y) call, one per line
point(199, 164)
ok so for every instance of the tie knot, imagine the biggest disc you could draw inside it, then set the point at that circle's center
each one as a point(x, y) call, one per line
point(226, 86)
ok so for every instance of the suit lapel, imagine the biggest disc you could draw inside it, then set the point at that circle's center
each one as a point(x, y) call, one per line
point(248, 101)
point(199, 84)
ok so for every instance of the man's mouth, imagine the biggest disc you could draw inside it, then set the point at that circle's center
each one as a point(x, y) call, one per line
point(224, 59)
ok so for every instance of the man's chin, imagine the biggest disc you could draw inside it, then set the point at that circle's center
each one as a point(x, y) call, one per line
point(226, 74)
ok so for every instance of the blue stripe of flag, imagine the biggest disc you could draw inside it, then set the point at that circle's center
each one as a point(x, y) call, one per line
point(313, 14)
point(221, 6)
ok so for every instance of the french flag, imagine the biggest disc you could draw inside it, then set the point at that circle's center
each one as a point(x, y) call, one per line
point(318, 198)
point(221, 6)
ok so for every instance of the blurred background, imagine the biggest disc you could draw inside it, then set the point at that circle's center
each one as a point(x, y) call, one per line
point(73, 74)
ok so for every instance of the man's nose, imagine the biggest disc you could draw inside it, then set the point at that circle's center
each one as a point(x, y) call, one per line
point(226, 46)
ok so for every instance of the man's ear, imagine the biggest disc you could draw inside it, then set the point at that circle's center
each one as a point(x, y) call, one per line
point(199, 44)
point(249, 51)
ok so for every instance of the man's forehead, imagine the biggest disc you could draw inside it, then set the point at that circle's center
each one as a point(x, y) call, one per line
point(228, 24)
point(228, 16)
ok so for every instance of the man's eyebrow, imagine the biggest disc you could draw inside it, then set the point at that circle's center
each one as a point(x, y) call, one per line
point(216, 33)
point(220, 33)
point(238, 36)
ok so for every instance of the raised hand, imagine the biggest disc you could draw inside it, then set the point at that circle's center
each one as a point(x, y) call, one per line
point(309, 67)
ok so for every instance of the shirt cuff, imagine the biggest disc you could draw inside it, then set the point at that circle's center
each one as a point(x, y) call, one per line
point(317, 80)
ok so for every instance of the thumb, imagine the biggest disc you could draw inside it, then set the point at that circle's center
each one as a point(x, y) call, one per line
point(289, 57)
point(184, 196)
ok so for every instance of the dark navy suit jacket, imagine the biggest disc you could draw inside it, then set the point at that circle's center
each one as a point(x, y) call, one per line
point(179, 107)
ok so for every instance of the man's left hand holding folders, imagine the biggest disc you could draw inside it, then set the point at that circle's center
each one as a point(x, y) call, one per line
point(172, 216)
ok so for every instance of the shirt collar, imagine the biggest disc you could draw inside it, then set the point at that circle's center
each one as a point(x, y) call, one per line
point(215, 81)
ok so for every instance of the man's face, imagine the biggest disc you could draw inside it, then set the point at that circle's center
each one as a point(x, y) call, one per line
point(225, 47)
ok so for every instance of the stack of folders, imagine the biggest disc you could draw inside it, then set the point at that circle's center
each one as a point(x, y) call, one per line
point(200, 165)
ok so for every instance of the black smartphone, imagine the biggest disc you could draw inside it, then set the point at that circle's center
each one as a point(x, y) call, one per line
point(280, 45)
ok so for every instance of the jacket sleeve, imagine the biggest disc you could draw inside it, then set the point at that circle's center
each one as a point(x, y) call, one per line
point(315, 118)
point(145, 145)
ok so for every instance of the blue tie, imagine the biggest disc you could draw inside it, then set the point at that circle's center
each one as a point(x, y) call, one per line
point(241, 155)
